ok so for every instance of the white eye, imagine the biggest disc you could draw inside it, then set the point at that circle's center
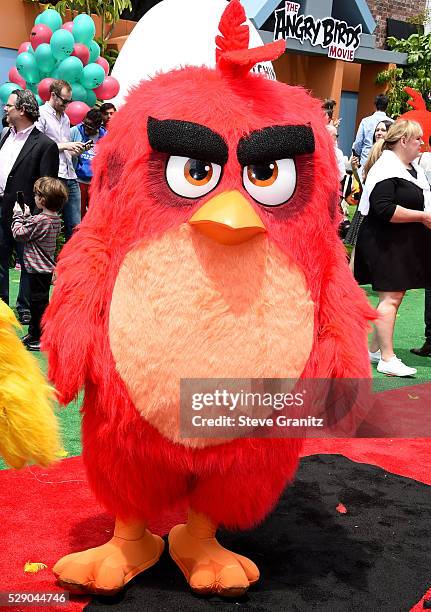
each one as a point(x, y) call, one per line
point(271, 183)
point(191, 178)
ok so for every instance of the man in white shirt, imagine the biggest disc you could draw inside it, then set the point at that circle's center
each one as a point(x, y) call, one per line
point(364, 137)
point(25, 156)
point(55, 123)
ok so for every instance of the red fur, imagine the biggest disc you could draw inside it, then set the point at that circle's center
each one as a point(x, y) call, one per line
point(132, 468)
point(419, 114)
point(232, 53)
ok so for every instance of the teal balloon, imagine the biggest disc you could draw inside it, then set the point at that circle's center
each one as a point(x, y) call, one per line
point(79, 93)
point(70, 69)
point(32, 87)
point(94, 51)
point(6, 89)
point(27, 67)
point(91, 98)
point(83, 29)
point(93, 75)
point(44, 58)
point(50, 18)
point(38, 99)
point(62, 43)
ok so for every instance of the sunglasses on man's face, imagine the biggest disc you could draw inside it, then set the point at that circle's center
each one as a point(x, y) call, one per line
point(65, 102)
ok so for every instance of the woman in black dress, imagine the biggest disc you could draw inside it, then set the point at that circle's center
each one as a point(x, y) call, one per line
point(393, 251)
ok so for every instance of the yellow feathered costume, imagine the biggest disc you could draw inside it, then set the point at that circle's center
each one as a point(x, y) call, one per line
point(28, 426)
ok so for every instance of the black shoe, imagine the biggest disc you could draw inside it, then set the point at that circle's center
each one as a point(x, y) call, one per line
point(423, 351)
point(24, 318)
point(33, 345)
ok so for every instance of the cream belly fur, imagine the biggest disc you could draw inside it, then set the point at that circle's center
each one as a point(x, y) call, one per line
point(184, 306)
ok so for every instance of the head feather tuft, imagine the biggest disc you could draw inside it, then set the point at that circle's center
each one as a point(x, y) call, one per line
point(232, 53)
point(416, 100)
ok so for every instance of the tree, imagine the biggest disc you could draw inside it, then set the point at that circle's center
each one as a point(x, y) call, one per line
point(416, 74)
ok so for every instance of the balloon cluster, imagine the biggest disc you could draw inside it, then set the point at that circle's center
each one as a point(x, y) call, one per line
point(67, 51)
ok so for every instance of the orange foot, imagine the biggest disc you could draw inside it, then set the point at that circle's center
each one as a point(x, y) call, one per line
point(207, 566)
point(106, 569)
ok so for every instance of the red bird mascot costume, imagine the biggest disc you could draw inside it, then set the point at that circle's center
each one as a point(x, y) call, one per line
point(419, 113)
point(210, 250)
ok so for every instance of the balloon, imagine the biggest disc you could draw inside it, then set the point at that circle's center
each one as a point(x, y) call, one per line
point(76, 112)
point(38, 100)
point(43, 89)
point(39, 34)
point(62, 43)
point(79, 93)
point(15, 77)
point(27, 67)
point(104, 63)
point(81, 52)
point(50, 18)
point(91, 97)
point(70, 69)
point(93, 75)
point(94, 51)
point(24, 47)
point(32, 87)
point(44, 58)
point(83, 28)
point(68, 25)
point(108, 89)
point(6, 89)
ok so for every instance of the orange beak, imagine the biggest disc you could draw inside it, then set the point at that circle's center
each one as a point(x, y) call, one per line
point(228, 218)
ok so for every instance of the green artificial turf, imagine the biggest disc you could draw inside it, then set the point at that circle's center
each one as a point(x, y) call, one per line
point(409, 332)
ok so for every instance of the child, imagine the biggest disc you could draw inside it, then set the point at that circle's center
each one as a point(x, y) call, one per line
point(39, 233)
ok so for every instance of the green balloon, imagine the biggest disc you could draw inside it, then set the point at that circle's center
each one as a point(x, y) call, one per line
point(93, 75)
point(83, 28)
point(61, 43)
point(6, 89)
point(39, 100)
point(70, 69)
point(32, 87)
point(50, 18)
point(79, 93)
point(44, 57)
point(27, 67)
point(94, 51)
point(91, 97)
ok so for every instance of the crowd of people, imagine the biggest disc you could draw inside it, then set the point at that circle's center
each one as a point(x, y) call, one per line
point(390, 231)
point(45, 171)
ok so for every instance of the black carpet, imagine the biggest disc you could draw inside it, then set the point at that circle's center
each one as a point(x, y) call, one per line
point(376, 557)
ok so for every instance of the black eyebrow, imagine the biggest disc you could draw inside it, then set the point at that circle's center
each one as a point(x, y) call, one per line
point(275, 142)
point(186, 139)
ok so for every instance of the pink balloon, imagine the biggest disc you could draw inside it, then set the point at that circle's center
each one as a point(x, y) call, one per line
point(67, 25)
point(76, 112)
point(81, 52)
point(104, 63)
point(24, 47)
point(43, 89)
point(108, 89)
point(39, 34)
point(15, 77)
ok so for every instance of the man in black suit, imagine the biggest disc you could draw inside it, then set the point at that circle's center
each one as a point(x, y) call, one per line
point(25, 155)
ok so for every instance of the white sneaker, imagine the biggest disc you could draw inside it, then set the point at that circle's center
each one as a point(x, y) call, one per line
point(375, 357)
point(395, 367)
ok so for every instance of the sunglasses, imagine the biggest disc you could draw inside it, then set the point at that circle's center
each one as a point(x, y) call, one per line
point(65, 102)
